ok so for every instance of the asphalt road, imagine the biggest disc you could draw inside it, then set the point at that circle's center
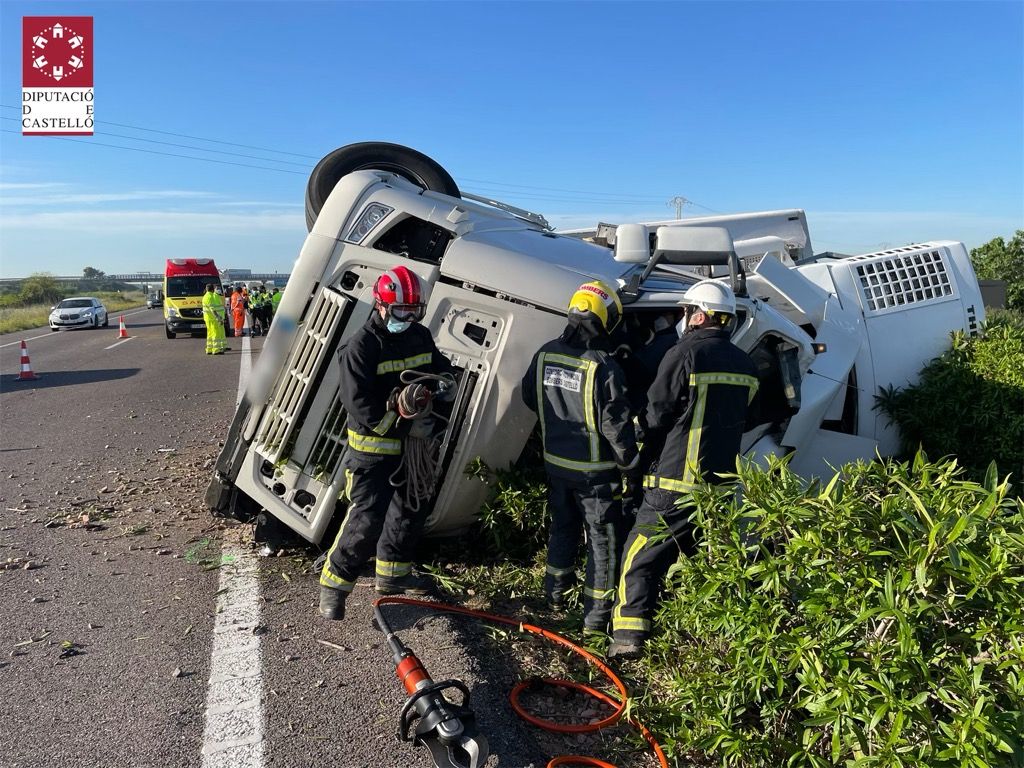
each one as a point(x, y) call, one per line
point(116, 584)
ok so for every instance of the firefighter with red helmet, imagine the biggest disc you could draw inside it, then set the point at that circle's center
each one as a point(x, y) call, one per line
point(380, 409)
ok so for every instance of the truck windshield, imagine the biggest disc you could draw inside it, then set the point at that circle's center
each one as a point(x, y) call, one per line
point(194, 285)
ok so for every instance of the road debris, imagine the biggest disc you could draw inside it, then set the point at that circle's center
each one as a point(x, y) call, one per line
point(69, 648)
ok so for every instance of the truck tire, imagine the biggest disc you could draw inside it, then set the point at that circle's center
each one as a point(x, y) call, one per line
point(170, 334)
point(403, 161)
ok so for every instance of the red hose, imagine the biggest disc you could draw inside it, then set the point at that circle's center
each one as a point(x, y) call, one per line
point(548, 725)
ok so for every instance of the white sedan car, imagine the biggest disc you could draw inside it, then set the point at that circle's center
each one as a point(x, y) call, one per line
point(79, 312)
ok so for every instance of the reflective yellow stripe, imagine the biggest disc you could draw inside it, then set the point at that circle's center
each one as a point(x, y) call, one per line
point(389, 366)
point(634, 548)
point(630, 623)
point(579, 466)
point(559, 571)
point(346, 492)
point(589, 368)
point(668, 484)
point(600, 594)
point(692, 458)
point(369, 444)
point(386, 423)
point(588, 410)
point(569, 360)
point(328, 579)
point(393, 569)
point(739, 379)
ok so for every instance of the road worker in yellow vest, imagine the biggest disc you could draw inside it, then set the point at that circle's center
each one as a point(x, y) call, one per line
point(213, 316)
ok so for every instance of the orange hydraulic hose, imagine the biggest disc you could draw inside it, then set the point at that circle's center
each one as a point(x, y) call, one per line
point(618, 705)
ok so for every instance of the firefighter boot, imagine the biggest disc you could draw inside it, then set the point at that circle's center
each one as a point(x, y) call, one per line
point(625, 649)
point(411, 583)
point(556, 590)
point(332, 603)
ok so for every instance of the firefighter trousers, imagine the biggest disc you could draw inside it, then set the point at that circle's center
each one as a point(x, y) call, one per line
point(377, 520)
point(662, 530)
point(598, 506)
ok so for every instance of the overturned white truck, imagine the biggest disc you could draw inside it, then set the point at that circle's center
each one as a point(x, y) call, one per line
point(824, 332)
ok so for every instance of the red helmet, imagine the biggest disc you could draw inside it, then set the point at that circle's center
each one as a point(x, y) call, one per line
point(398, 291)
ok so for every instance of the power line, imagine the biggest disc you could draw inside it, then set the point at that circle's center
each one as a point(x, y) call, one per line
point(189, 146)
point(591, 197)
point(166, 154)
point(643, 198)
point(186, 136)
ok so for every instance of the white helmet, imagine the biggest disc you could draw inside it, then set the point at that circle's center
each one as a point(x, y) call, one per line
point(711, 296)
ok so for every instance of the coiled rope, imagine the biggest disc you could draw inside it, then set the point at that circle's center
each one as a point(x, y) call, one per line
point(417, 473)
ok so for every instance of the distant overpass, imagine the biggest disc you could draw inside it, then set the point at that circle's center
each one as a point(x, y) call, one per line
point(279, 278)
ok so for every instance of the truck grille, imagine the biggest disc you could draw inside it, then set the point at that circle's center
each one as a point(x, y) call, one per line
point(330, 443)
point(893, 279)
point(278, 425)
point(195, 312)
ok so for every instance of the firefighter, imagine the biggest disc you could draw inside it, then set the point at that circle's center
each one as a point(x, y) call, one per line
point(275, 299)
point(578, 392)
point(698, 409)
point(213, 315)
point(379, 411)
point(238, 310)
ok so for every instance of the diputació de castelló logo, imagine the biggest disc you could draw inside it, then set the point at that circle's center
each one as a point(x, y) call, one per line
point(57, 76)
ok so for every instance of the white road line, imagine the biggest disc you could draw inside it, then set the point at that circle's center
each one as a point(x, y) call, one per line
point(234, 701)
point(52, 335)
point(122, 341)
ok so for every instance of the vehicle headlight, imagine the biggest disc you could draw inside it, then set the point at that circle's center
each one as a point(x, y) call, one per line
point(86, 313)
point(172, 312)
point(370, 218)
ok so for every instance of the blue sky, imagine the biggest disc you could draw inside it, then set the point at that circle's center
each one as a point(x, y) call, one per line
point(887, 122)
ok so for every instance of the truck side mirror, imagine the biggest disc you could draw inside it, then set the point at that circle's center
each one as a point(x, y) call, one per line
point(699, 246)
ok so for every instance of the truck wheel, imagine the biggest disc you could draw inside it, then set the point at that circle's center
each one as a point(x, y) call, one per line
point(170, 334)
point(403, 161)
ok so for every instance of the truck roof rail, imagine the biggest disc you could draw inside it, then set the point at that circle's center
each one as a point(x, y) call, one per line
point(533, 218)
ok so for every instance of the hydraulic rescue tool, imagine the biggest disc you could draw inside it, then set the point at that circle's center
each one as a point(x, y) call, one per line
point(447, 729)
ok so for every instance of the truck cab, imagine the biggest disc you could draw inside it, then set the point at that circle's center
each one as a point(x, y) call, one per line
point(819, 330)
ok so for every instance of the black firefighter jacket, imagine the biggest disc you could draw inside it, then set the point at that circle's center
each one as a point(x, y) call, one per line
point(371, 363)
point(578, 393)
point(698, 410)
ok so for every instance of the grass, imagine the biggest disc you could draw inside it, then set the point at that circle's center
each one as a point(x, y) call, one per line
point(35, 315)
point(875, 621)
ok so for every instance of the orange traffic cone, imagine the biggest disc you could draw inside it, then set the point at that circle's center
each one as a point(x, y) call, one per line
point(26, 367)
point(123, 332)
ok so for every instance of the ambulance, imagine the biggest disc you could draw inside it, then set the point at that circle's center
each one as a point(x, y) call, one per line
point(185, 282)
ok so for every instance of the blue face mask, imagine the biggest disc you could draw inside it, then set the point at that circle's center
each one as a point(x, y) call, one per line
point(394, 326)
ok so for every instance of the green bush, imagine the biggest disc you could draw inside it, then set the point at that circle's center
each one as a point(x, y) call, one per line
point(876, 621)
point(513, 521)
point(1001, 260)
point(40, 288)
point(970, 401)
